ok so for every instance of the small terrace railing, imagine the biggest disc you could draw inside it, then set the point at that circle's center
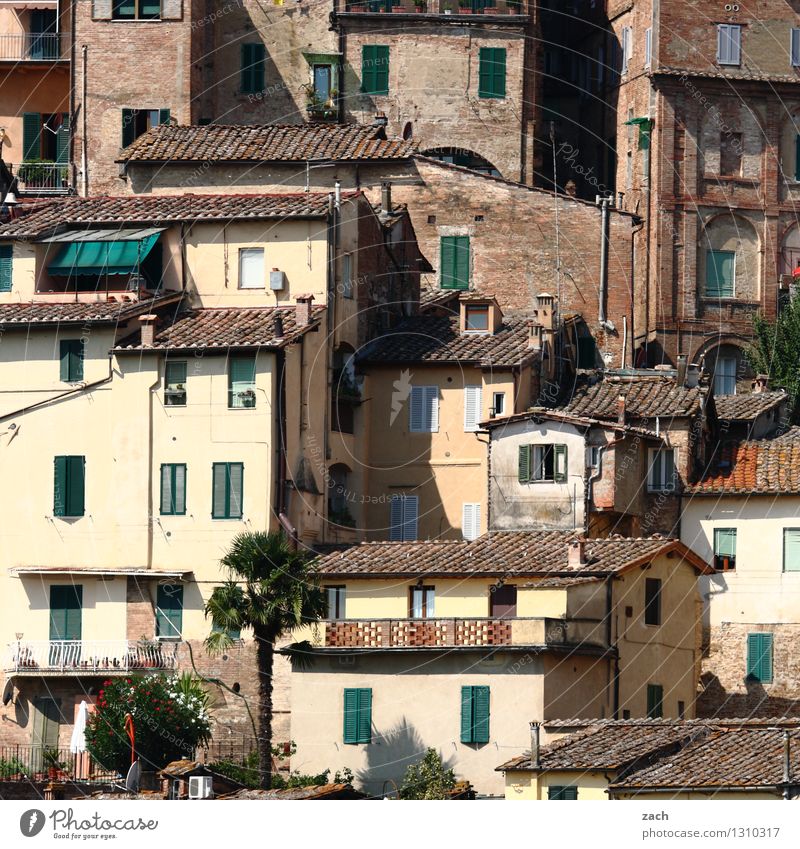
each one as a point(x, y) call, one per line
point(88, 657)
point(434, 7)
point(43, 178)
point(37, 763)
point(34, 47)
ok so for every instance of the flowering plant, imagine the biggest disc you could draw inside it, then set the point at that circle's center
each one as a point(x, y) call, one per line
point(170, 719)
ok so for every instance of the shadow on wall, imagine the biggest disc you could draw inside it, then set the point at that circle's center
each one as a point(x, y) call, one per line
point(715, 702)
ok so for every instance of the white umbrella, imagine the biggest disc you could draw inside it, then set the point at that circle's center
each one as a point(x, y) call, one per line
point(78, 741)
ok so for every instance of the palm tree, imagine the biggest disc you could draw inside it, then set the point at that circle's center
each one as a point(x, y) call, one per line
point(271, 589)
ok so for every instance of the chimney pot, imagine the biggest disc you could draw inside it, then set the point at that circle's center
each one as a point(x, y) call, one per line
point(760, 383)
point(277, 325)
point(148, 331)
point(577, 553)
point(536, 759)
point(681, 375)
point(303, 310)
point(386, 198)
point(621, 404)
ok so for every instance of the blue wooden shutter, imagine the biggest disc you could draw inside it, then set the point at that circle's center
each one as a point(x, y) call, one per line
point(31, 136)
point(169, 610)
point(759, 657)
point(6, 267)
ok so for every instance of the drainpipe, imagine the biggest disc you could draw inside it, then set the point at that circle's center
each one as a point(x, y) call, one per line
point(609, 636)
point(84, 154)
point(601, 307)
point(787, 765)
point(72, 63)
point(280, 494)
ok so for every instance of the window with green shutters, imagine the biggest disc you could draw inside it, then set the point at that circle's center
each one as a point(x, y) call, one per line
point(492, 72)
point(71, 352)
point(474, 714)
point(720, 274)
point(175, 384)
point(759, 657)
point(62, 140)
point(724, 548)
point(791, 549)
point(129, 10)
point(253, 76)
point(69, 483)
point(544, 463)
point(241, 382)
point(173, 489)
point(375, 69)
point(66, 611)
point(31, 136)
point(6, 267)
point(169, 611)
point(357, 715)
point(561, 792)
point(228, 485)
point(655, 701)
point(454, 262)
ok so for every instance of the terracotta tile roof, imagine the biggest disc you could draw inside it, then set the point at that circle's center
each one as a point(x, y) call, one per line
point(523, 553)
point(95, 312)
point(265, 143)
point(224, 328)
point(45, 219)
point(430, 299)
point(432, 338)
point(749, 406)
point(316, 791)
point(646, 397)
point(754, 467)
point(712, 72)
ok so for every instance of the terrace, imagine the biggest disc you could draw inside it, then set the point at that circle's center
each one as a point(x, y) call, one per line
point(88, 657)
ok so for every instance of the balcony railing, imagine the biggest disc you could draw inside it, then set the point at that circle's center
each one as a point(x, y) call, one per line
point(34, 47)
point(88, 657)
point(42, 178)
point(452, 633)
point(433, 7)
point(37, 763)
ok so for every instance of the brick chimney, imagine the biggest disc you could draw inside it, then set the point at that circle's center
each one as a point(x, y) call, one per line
point(621, 403)
point(576, 553)
point(149, 323)
point(302, 311)
point(760, 383)
point(571, 189)
point(535, 335)
point(386, 198)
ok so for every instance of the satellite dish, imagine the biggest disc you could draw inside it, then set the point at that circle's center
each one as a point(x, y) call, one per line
point(134, 777)
point(8, 691)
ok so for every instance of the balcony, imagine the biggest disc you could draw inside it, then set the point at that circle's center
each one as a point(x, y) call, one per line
point(88, 657)
point(41, 178)
point(463, 633)
point(34, 47)
point(456, 8)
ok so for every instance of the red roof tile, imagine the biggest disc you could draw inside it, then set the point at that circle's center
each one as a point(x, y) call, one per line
point(95, 312)
point(748, 406)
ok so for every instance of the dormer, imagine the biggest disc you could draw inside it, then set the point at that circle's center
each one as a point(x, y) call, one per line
point(479, 315)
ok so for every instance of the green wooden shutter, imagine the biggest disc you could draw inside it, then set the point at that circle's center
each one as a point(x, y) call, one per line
point(31, 136)
point(66, 603)
point(364, 715)
point(357, 715)
point(62, 140)
point(76, 474)
point(466, 714)
point(71, 356)
point(252, 73)
point(241, 377)
point(455, 253)
point(150, 9)
point(128, 127)
point(655, 701)
point(350, 716)
point(480, 714)
point(791, 550)
point(524, 464)
point(219, 501)
point(60, 486)
point(382, 69)
point(720, 273)
point(492, 72)
point(6, 267)
point(169, 610)
point(173, 489)
point(558, 792)
point(163, 116)
point(560, 463)
point(375, 69)
point(759, 657)
point(235, 490)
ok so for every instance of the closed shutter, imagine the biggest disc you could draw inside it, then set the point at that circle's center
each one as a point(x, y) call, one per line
point(375, 69)
point(492, 72)
point(163, 116)
point(466, 714)
point(76, 474)
point(396, 518)
point(560, 459)
point(720, 271)
point(474, 714)
point(62, 140)
point(471, 520)
point(655, 701)
point(415, 409)
point(454, 256)
point(66, 603)
point(357, 715)
point(169, 611)
point(410, 512)
point(423, 409)
point(562, 793)
point(179, 488)
point(648, 47)
point(128, 127)
point(166, 490)
point(791, 550)
point(235, 490)
point(524, 464)
point(173, 489)
point(31, 136)
point(795, 47)
point(472, 407)
point(252, 79)
point(171, 10)
point(101, 10)
point(219, 491)
point(652, 601)
point(6, 267)
point(71, 355)
point(364, 715)
point(759, 657)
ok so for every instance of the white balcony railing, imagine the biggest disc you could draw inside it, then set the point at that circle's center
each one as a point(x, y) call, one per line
point(41, 178)
point(88, 657)
point(34, 47)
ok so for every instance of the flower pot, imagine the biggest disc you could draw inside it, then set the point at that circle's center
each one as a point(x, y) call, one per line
point(491, 10)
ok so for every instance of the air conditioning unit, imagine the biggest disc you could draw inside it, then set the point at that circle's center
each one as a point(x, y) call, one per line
point(277, 280)
point(201, 787)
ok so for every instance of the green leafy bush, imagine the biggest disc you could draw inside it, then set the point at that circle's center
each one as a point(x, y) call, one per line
point(428, 779)
point(11, 766)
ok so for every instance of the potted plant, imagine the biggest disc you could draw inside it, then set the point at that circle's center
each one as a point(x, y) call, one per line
point(51, 761)
point(491, 10)
point(448, 7)
point(420, 6)
point(357, 7)
point(465, 7)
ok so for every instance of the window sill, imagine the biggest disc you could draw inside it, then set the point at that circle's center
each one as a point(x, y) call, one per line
point(226, 518)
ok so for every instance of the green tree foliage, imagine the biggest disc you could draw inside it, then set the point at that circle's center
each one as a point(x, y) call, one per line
point(775, 350)
point(170, 717)
point(428, 779)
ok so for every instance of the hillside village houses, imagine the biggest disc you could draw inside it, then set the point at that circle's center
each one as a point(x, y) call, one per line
point(426, 295)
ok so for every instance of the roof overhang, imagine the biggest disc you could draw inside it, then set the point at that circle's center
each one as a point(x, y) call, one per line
point(105, 234)
point(43, 571)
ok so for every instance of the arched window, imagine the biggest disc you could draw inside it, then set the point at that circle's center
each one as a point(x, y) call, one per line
point(729, 261)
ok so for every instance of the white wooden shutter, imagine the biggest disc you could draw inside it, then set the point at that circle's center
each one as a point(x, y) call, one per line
point(432, 409)
point(171, 10)
point(471, 521)
point(648, 47)
point(410, 513)
point(472, 407)
point(101, 10)
point(416, 419)
point(396, 518)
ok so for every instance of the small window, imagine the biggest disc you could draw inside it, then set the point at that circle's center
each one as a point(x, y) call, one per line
point(347, 276)
point(471, 520)
point(794, 48)
point(422, 603)
point(423, 409)
point(648, 47)
point(454, 262)
point(759, 658)
point(729, 44)
point(720, 274)
point(375, 69)
point(560, 792)
point(357, 715)
point(69, 486)
point(6, 267)
point(133, 10)
point(252, 78)
point(175, 384)
point(791, 550)
point(228, 490)
point(322, 76)
point(626, 48)
point(661, 476)
point(251, 268)
point(652, 601)
point(681, 710)
point(241, 382)
point(476, 318)
point(136, 122)
point(474, 714)
point(655, 701)
point(725, 376)
point(492, 73)
point(724, 549)
point(542, 463)
point(169, 611)
point(173, 489)
point(730, 154)
point(593, 456)
point(71, 353)
point(498, 403)
point(336, 601)
point(473, 407)
point(404, 511)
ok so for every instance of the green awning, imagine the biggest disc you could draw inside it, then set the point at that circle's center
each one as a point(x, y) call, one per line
point(101, 257)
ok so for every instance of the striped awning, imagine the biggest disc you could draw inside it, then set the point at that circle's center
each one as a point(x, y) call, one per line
point(92, 256)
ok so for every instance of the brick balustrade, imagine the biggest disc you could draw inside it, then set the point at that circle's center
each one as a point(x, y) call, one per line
point(412, 633)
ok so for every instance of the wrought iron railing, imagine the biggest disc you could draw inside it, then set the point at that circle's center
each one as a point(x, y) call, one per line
point(37, 763)
point(34, 47)
point(89, 657)
point(41, 177)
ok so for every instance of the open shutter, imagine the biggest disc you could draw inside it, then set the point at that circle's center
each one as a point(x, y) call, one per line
point(66, 350)
point(171, 10)
point(60, 486)
point(472, 407)
point(669, 469)
point(524, 464)
point(62, 140)
point(396, 518)
point(163, 116)
point(350, 716)
point(560, 471)
point(166, 490)
point(466, 714)
point(365, 715)
point(76, 474)
point(431, 416)
point(6, 267)
point(795, 47)
point(179, 488)
point(101, 10)
point(31, 136)
point(128, 127)
point(797, 157)
point(235, 490)
point(169, 610)
point(416, 409)
point(480, 710)
point(219, 489)
point(791, 550)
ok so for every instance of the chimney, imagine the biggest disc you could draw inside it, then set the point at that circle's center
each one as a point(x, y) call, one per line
point(148, 323)
point(544, 310)
point(534, 335)
point(571, 189)
point(380, 120)
point(577, 553)
point(536, 759)
point(621, 410)
point(692, 375)
point(277, 325)
point(302, 311)
point(760, 383)
point(681, 376)
point(386, 198)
